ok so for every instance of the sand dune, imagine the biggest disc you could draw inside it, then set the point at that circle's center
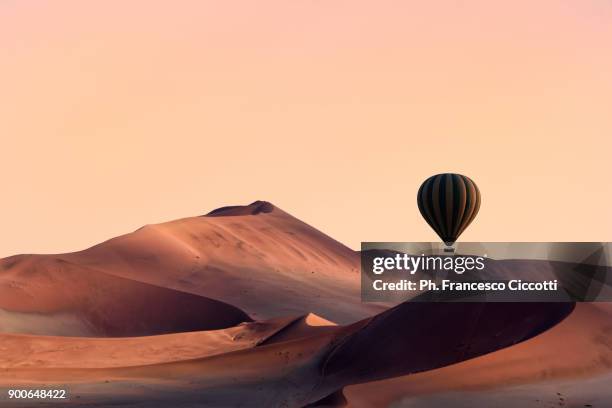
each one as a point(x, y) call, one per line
point(578, 348)
point(269, 264)
point(305, 326)
point(165, 317)
point(43, 352)
point(51, 296)
point(295, 372)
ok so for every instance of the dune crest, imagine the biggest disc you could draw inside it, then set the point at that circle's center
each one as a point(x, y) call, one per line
point(256, 207)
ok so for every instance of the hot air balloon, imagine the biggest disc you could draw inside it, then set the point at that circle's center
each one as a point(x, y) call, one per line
point(449, 202)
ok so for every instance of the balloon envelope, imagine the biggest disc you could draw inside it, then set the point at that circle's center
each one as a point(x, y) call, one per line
point(449, 202)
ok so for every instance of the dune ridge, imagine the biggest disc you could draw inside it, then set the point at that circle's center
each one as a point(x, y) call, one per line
point(267, 264)
point(249, 306)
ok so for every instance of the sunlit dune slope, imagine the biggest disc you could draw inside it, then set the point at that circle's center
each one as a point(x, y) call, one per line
point(44, 352)
point(257, 258)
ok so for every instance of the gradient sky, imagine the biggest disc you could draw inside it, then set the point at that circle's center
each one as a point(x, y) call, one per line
point(117, 114)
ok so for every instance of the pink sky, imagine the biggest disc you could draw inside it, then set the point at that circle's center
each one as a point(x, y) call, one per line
point(115, 115)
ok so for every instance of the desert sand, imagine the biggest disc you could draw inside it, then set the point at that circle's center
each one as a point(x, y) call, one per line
point(250, 307)
point(287, 372)
point(262, 261)
point(578, 350)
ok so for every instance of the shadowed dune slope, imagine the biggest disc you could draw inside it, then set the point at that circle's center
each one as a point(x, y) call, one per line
point(425, 336)
point(51, 296)
point(578, 348)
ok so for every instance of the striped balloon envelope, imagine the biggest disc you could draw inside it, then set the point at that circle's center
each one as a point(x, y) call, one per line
point(449, 202)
